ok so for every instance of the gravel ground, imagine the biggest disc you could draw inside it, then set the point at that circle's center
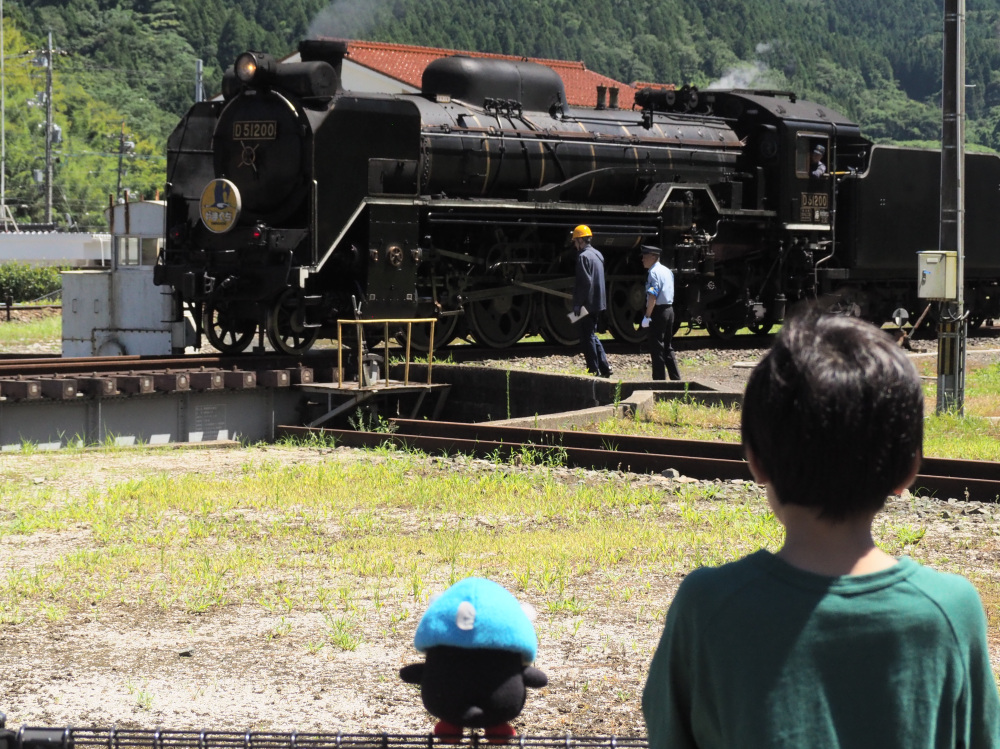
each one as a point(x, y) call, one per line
point(725, 366)
point(139, 666)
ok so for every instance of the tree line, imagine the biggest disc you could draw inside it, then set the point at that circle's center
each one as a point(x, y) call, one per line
point(123, 73)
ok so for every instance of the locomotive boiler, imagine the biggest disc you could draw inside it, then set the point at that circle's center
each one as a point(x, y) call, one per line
point(292, 204)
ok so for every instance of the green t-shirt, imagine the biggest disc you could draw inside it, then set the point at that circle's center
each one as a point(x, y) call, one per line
point(761, 654)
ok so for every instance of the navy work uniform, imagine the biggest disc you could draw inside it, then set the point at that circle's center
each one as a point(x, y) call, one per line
point(589, 293)
point(659, 319)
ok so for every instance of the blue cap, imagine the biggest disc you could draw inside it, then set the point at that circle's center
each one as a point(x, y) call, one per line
point(476, 613)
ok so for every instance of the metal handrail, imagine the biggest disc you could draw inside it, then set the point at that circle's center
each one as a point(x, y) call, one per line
point(386, 322)
point(119, 738)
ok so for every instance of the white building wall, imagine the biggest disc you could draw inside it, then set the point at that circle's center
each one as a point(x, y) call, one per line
point(358, 78)
point(55, 248)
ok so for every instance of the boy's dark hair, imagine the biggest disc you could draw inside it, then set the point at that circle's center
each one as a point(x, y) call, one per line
point(834, 415)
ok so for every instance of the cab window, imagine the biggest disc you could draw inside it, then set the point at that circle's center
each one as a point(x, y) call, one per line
point(811, 154)
point(137, 251)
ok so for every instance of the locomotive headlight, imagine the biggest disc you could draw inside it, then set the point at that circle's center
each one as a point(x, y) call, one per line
point(251, 65)
point(246, 67)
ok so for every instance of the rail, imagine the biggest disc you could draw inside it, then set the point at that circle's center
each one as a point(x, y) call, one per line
point(385, 322)
point(67, 379)
point(11, 307)
point(962, 479)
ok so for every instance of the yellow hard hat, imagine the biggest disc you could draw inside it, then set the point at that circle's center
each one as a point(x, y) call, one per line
point(582, 231)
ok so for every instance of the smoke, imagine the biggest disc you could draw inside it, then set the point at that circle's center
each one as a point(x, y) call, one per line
point(754, 74)
point(346, 19)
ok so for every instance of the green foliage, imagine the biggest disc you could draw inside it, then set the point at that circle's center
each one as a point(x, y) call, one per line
point(86, 161)
point(879, 63)
point(25, 283)
point(124, 72)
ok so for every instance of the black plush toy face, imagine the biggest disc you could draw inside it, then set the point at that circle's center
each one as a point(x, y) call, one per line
point(473, 688)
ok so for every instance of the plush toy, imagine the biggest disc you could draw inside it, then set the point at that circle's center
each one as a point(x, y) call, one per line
point(478, 644)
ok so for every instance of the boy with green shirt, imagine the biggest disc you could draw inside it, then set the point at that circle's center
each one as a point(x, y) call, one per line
point(830, 642)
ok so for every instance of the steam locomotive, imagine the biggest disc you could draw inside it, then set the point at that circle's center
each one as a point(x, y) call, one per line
point(292, 204)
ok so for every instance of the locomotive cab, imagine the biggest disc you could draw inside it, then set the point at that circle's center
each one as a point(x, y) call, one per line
point(811, 182)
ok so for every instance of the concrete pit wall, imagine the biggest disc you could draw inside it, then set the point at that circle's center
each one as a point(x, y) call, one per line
point(549, 400)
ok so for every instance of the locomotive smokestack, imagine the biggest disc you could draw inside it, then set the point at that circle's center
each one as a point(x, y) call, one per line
point(601, 90)
point(613, 97)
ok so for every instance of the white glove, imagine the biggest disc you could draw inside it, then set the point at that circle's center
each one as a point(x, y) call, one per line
point(644, 323)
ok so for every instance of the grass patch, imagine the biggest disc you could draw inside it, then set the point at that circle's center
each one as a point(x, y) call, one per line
point(974, 436)
point(682, 419)
point(357, 541)
point(365, 544)
point(47, 330)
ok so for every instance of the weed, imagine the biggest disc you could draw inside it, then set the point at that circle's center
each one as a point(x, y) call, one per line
point(572, 605)
point(340, 632)
point(507, 374)
point(282, 629)
point(365, 420)
point(540, 455)
point(907, 535)
point(143, 698)
point(314, 438)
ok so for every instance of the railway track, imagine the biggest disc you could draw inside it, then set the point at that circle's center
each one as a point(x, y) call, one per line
point(938, 477)
point(66, 378)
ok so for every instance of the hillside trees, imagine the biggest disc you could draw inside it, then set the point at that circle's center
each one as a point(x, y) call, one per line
point(86, 160)
point(879, 63)
point(121, 62)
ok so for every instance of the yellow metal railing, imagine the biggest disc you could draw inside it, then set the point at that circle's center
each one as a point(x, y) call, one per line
point(385, 322)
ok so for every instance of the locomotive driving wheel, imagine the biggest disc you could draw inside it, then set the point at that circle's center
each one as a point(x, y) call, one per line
point(761, 327)
point(627, 302)
point(285, 328)
point(721, 330)
point(556, 327)
point(227, 332)
point(500, 322)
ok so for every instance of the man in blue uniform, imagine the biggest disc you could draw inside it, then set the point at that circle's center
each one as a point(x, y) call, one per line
point(659, 319)
point(589, 293)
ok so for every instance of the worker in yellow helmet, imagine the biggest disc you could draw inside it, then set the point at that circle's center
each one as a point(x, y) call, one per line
point(589, 301)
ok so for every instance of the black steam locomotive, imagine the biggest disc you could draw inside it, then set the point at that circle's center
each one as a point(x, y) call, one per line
point(293, 203)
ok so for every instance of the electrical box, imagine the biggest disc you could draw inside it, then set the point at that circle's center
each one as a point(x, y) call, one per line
point(937, 275)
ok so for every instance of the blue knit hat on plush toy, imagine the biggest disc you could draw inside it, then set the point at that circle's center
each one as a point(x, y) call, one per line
point(477, 613)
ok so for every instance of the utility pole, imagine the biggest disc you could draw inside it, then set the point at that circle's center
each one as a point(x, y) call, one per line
point(121, 157)
point(199, 88)
point(125, 147)
point(952, 327)
point(48, 135)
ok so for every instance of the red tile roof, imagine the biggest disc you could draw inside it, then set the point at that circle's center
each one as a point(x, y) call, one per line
point(636, 85)
point(406, 63)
